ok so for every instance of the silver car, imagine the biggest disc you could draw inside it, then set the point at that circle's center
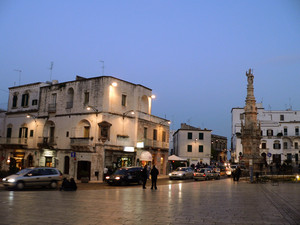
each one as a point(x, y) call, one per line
point(206, 174)
point(29, 177)
point(182, 173)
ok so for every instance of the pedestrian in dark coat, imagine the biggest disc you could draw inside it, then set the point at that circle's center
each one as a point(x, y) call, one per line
point(145, 176)
point(154, 172)
point(73, 185)
point(238, 173)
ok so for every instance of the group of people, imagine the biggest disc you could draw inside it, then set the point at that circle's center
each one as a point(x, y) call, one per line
point(154, 173)
point(68, 185)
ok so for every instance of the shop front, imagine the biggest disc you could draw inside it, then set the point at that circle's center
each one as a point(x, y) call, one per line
point(48, 158)
point(116, 159)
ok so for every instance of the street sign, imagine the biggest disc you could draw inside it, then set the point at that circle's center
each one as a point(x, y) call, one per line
point(269, 154)
point(73, 154)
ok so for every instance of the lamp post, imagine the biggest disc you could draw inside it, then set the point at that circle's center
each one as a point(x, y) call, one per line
point(128, 112)
point(93, 108)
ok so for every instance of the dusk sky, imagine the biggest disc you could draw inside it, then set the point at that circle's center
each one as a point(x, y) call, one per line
point(193, 54)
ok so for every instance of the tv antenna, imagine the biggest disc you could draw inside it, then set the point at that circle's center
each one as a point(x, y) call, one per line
point(102, 66)
point(51, 68)
point(20, 71)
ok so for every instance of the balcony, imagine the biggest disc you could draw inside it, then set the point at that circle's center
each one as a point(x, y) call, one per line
point(13, 142)
point(156, 144)
point(82, 144)
point(46, 142)
point(52, 107)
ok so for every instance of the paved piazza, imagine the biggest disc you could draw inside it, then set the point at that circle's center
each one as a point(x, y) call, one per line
point(206, 202)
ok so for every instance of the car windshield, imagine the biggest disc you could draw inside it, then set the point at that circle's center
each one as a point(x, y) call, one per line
point(181, 169)
point(24, 171)
point(120, 172)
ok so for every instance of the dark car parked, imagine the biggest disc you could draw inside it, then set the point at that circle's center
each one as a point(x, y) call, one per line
point(125, 176)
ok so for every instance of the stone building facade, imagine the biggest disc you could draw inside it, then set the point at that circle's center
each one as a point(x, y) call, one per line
point(85, 125)
point(219, 146)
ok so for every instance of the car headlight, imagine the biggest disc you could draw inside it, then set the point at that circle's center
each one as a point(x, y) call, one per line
point(180, 174)
point(11, 180)
point(107, 177)
point(170, 174)
point(4, 179)
point(117, 178)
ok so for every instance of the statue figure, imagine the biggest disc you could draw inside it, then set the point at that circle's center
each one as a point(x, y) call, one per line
point(250, 77)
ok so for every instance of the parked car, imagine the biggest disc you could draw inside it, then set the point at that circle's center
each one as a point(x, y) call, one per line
point(30, 177)
point(182, 173)
point(125, 176)
point(206, 174)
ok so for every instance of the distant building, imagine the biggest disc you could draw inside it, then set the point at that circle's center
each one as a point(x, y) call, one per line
point(193, 144)
point(219, 148)
point(83, 126)
point(280, 139)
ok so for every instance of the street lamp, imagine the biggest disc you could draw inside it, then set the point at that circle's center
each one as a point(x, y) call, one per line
point(128, 112)
point(31, 116)
point(93, 108)
point(165, 122)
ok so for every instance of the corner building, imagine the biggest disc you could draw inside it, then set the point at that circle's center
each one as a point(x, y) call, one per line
point(85, 125)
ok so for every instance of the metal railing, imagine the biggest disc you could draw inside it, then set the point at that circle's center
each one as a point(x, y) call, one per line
point(13, 141)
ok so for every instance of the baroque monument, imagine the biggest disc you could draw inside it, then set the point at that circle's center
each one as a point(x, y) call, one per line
point(251, 132)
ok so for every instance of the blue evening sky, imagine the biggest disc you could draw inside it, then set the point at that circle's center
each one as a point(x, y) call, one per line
point(193, 54)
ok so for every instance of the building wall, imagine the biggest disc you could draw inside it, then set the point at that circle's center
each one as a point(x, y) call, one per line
point(66, 135)
point(181, 143)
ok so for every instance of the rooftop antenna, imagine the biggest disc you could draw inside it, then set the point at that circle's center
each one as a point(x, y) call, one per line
point(20, 71)
point(102, 66)
point(51, 68)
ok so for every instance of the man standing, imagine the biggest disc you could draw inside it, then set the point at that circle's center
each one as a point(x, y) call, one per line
point(145, 176)
point(154, 173)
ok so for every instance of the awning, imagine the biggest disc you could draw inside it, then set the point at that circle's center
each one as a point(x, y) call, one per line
point(145, 156)
point(175, 158)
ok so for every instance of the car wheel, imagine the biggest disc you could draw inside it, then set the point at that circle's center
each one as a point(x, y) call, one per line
point(20, 185)
point(53, 184)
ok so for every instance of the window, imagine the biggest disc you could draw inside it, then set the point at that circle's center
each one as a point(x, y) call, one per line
point(285, 145)
point(269, 133)
point(34, 102)
point(124, 100)
point(263, 145)
point(200, 148)
point(67, 134)
point(190, 135)
point(48, 162)
point(164, 136)
point(189, 148)
point(23, 132)
point(281, 117)
point(285, 131)
point(86, 131)
point(296, 145)
point(104, 131)
point(8, 132)
point(15, 101)
point(241, 116)
point(86, 98)
point(70, 98)
point(31, 133)
point(145, 132)
point(155, 134)
point(289, 156)
point(276, 145)
point(297, 131)
point(200, 136)
point(25, 98)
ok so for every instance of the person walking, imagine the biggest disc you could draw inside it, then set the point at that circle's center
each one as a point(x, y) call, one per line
point(238, 173)
point(154, 172)
point(145, 176)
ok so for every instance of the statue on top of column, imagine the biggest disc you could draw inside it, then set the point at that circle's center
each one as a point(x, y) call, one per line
point(250, 77)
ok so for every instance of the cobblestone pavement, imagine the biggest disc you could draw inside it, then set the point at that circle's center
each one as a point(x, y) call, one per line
point(203, 202)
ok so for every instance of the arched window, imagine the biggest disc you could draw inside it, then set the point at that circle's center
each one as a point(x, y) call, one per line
point(276, 145)
point(70, 98)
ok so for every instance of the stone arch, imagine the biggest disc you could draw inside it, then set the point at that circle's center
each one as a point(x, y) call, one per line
point(83, 128)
